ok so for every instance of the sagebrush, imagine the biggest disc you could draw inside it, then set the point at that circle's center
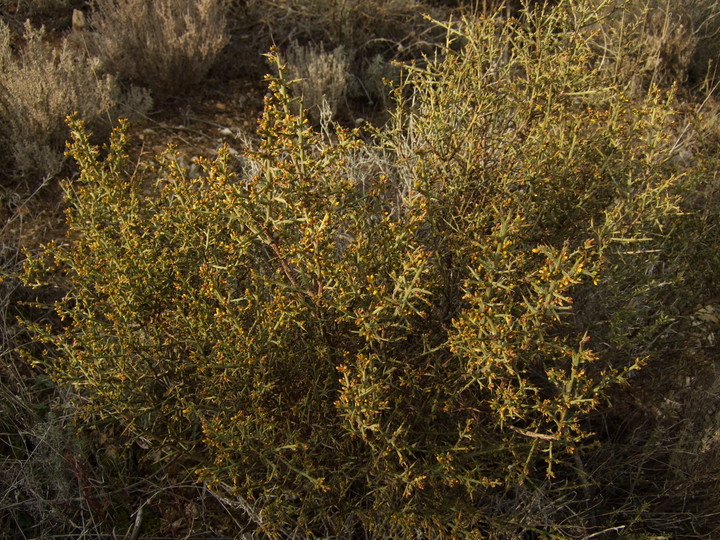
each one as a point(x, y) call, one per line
point(167, 45)
point(40, 86)
point(321, 78)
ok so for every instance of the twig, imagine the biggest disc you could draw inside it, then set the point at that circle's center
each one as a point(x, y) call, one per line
point(600, 533)
point(534, 434)
point(134, 532)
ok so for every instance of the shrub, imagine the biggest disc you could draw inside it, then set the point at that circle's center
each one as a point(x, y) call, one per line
point(32, 7)
point(167, 45)
point(39, 493)
point(407, 350)
point(578, 156)
point(655, 42)
point(372, 34)
point(348, 23)
point(40, 86)
point(321, 78)
point(377, 79)
point(666, 311)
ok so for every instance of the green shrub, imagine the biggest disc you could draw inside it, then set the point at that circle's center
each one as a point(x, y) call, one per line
point(400, 350)
point(168, 45)
point(45, 466)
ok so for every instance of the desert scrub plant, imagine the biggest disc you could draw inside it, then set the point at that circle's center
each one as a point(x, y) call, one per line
point(665, 420)
point(657, 42)
point(398, 350)
point(35, 7)
point(335, 356)
point(40, 86)
point(525, 121)
point(39, 492)
point(167, 45)
point(350, 23)
point(321, 78)
point(379, 30)
point(571, 153)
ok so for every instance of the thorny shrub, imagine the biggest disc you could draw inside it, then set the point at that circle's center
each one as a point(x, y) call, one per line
point(392, 354)
point(583, 153)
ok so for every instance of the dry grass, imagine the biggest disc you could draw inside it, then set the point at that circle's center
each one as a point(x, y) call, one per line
point(662, 42)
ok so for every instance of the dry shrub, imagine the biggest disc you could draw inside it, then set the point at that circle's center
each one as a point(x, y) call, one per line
point(351, 23)
point(662, 42)
point(40, 87)
point(375, 80)
point(321, 77)
point(166, 45)
point(35, 7)
point(381, 30)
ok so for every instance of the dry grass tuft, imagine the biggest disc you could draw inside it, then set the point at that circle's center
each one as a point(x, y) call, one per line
point(662, 42)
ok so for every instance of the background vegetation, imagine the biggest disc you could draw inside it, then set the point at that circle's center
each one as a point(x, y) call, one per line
point(460, 280)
